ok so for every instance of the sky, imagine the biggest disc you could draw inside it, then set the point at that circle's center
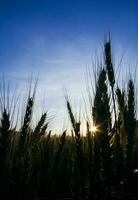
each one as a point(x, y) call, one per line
point(58, 39)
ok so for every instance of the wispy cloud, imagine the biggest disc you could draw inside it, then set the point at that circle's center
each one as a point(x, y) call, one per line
point(57, 66)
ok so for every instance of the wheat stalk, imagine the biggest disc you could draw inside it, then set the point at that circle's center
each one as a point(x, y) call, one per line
point(40, 124)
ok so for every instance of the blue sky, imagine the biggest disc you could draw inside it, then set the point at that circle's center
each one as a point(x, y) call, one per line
point(58, 39)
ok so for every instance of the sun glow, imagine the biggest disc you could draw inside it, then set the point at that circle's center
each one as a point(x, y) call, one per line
point(93, 129)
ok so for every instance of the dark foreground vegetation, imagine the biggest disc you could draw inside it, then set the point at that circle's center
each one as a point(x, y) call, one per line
point(98, 166)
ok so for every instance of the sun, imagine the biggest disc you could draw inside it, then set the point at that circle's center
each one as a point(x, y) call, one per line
point(93, 129)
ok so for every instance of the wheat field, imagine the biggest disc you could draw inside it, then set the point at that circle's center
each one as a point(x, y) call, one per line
point(100, 164)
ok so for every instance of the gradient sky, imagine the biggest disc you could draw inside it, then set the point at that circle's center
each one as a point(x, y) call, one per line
point(57, 39)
